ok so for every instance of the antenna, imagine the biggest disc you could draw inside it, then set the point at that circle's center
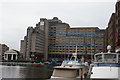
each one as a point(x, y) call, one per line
point(76, 50)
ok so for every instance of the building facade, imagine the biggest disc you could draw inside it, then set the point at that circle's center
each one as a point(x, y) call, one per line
point(118, 26)
point(51, 38)
point(32, 47)
point(11, 55)
point(3, 48)
point(112, 33)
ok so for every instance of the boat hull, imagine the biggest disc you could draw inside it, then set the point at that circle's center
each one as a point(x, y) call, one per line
point(37, 64)
point(105, 73)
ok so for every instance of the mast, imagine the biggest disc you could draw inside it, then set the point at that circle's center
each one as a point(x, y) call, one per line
point(76, 50)
point(75, 54)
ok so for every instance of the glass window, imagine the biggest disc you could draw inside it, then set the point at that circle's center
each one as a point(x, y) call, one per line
point(110, 58)
point(98, 58)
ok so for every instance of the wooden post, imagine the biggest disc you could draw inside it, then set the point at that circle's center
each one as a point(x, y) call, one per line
point(81, 77)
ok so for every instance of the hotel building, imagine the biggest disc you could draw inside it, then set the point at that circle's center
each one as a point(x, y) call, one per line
point(51, 38)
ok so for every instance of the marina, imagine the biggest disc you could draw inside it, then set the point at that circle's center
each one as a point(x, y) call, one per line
point(105, 66)
point(87, 48)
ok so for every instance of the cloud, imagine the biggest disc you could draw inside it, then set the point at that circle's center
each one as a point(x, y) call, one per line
point(17, 15)
point(58, 1)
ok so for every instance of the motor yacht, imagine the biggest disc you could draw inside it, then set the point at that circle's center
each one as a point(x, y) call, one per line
point(71, 69)
point(106, 66)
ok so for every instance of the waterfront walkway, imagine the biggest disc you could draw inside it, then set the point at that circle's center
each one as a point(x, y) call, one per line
point(16, 63)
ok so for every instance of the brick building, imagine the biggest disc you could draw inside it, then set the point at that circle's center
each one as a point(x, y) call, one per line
point(112, 33)
point(3, 48)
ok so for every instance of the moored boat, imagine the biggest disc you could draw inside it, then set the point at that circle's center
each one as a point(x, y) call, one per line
point(72, 69)
point(106, 66)
point(38, 64)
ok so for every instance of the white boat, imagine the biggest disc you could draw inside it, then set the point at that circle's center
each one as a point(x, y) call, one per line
point(106, 66)
point(70, 70)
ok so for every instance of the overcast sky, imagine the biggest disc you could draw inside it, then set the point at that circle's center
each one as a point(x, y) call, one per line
point(17, 15)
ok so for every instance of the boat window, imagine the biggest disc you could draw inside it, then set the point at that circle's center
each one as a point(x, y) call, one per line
point(107, 64)
point(111, 58)
point(99, 58)
point(119, 59)
point(72, 62)
point(65, 62)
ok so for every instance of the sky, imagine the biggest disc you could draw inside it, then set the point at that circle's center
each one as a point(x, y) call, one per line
point(17, 15)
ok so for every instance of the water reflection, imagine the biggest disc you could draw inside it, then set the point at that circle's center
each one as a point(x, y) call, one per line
point(26, 71)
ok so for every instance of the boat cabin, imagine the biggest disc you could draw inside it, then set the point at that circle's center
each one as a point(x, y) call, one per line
point(70, 69)
point(106, 57)
point(66, 72)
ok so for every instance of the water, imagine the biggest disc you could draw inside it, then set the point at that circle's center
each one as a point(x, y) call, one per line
point(21, 72)
point(27, 72)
